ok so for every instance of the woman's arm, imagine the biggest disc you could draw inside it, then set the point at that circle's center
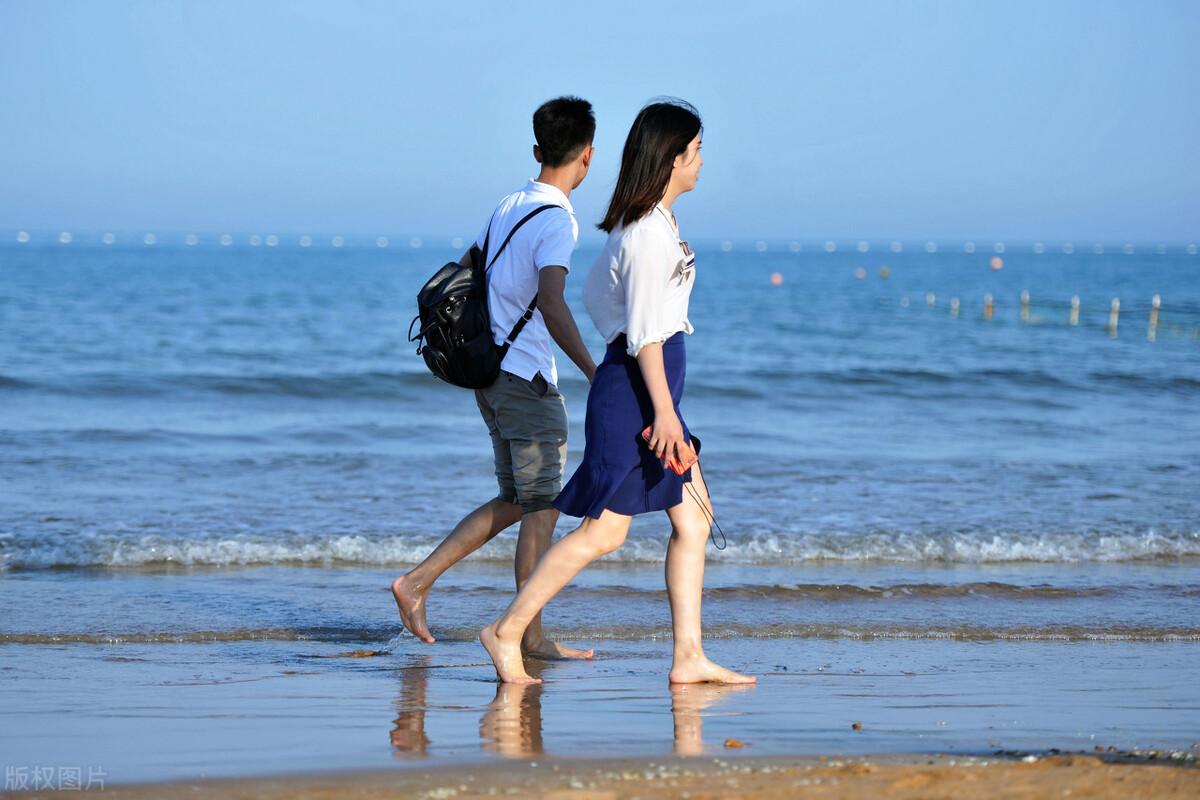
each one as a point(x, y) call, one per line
point(648, 264)
point(666, 434)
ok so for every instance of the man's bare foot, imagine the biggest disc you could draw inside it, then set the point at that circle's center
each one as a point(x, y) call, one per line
point(506, 656)
point(701, 670)
point(553, 651)
point(411, 602)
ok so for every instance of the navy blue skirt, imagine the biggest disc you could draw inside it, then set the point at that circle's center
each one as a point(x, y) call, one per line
point(618, 471)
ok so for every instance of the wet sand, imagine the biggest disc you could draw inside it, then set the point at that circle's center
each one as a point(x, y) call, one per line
point(276, 719)
point(1168, 774)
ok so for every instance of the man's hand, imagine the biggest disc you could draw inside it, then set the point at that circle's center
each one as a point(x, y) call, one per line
point(559, 320)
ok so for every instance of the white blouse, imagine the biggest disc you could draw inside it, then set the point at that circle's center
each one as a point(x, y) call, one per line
point(641, 282)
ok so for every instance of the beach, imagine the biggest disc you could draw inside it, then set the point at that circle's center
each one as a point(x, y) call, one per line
point(895, 777)
point(273, 701)
point(949, 538)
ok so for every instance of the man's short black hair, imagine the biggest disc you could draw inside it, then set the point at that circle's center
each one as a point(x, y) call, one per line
point(563, 127)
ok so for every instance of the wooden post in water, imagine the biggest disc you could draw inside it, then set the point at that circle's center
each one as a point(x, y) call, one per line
point(1155, 304)
point(1024, 306)
point(988, 307)
point(1114, 312)
point(1074, 309)
point(954, 307)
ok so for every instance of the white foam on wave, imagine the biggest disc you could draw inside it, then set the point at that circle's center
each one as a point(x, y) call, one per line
point(123, 550)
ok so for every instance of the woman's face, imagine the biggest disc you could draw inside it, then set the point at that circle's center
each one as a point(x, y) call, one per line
point(687, 166)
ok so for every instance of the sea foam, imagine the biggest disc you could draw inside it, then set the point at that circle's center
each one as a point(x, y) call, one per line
point(125, 550)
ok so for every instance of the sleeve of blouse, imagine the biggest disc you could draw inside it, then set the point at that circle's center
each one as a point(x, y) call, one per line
point(647, 265)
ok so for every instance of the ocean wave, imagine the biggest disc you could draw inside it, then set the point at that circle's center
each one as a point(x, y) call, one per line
point(756, 383)
point(971, 379)
point(391, 640)
point(13, 383)
point(1170, 383)
point(895, 377)
point(363, 384)
point(841, 592)
point(64, 550)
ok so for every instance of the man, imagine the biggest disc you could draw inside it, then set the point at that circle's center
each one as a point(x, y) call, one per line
point(523, 409)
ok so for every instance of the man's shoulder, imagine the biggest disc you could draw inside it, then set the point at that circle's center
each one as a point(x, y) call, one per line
point(555, 221)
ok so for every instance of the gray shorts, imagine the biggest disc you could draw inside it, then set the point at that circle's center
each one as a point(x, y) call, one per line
point(527, 421)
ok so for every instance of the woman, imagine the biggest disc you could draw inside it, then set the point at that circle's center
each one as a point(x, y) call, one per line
point(637, 294)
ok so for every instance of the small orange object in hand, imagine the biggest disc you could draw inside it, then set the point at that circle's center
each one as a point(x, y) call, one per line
point(689, 457)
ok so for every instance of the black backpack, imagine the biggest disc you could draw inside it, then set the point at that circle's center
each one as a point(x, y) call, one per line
point(455, 337)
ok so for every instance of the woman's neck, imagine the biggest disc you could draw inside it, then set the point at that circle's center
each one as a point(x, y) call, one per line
point(668, 199)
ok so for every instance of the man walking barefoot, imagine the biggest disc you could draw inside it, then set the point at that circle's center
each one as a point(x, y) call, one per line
point(523, 409)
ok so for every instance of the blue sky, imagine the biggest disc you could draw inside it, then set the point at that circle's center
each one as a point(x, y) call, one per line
point(845, 120)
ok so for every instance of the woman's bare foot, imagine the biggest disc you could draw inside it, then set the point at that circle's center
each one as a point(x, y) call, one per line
point(411, 602)
point(700, 670)
point(506, 656)
point(552, 651)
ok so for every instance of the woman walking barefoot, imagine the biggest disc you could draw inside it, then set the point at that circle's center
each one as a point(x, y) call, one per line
point(637, 294)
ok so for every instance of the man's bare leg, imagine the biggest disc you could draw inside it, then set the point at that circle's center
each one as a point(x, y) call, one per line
point(562, 562)
point(532, 543)
point(475, 530)
point(685, 583)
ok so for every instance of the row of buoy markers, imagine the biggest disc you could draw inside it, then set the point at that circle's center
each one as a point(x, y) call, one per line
point(989, 305)
point(416, 242)
point(1114, 310)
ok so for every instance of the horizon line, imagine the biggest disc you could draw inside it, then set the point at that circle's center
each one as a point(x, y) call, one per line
point(100, 237)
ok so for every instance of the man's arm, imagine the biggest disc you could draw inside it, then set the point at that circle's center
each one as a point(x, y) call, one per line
point(559, 320)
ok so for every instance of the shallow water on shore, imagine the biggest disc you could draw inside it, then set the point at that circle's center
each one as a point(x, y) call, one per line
point(189, 672)
point(173, 710)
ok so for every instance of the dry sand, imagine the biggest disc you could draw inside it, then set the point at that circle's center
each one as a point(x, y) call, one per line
point(894, 777)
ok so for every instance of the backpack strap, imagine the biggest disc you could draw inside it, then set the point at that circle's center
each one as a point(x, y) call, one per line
point(511, 233)
point(523, 320)
point(516, 329)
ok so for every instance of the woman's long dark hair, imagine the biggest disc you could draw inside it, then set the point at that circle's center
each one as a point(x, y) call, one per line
point(661, 131)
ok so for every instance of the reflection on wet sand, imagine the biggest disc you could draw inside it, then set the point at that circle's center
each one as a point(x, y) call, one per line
point(688, 702)
point(512, 724)
point(408, 731)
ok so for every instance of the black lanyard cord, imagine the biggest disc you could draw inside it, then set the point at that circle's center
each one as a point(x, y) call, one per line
point(712, 520)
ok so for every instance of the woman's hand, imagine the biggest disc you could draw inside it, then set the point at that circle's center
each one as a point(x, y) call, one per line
point(666, 437)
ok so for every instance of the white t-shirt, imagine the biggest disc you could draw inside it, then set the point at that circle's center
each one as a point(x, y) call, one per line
point(547, 240)
point(641, 282)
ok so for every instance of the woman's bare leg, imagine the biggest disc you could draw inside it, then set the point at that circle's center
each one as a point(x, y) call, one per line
point(685, 582)
point(562, 562)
